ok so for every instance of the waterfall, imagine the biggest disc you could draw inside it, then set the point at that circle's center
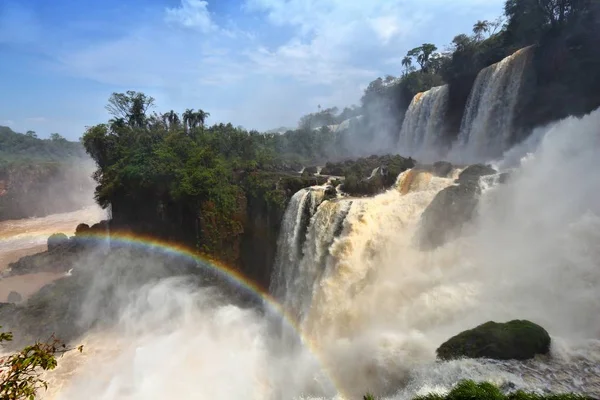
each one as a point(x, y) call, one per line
point(487, 126)
point(422, 131)
point(370, 305)
point(376, 306)
point(297, 216)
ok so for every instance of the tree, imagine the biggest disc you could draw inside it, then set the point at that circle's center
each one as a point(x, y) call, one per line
point(130, 107)
point(193, 119)
point(171, 119)
point(31, 134)
point(20, 372)
point(423, 54)
point(407, 64)
point(480, 28)
point(461, 42)
point(55, 137)
point(495, 25)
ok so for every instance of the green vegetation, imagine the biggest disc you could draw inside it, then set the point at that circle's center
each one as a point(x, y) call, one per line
point(469, 390)
point(172, 173)
point(514, 340)
point(566, 33)
point(20, 372)
point(27, 148)
point(29, 166)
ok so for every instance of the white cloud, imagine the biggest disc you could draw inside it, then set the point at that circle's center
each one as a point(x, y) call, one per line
point(386, 27)
point(296, 54)
point(7, 122)
point(192, 14)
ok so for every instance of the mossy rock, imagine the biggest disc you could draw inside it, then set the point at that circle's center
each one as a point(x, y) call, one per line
point(514, 340)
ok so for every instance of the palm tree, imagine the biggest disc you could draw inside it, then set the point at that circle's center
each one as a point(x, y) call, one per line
point(480, 28)
point(407, 63)
point(188, 118)
point(201, 117)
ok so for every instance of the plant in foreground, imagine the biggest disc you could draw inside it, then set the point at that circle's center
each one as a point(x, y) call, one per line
point(20, 372)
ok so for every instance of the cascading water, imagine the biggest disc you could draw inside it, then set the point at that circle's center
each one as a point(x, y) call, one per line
point(295, 222)
point(422, 131)
point(371, 306)
point(487, 126)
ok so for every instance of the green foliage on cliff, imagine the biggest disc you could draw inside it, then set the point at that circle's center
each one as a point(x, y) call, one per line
point(175, 166)
point(567, 33)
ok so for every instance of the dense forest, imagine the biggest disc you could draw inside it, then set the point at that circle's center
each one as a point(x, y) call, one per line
point(17, 147)
point(41, 176)
point(223, 189)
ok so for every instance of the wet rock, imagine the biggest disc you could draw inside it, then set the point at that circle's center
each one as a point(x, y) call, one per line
point(330, 192)
point(442, 169)
point(514, 340)
point(451, 208)
point(82, 229)
point(14, 297)
point(504, 177)
point(57, 241)
point(369, 176)
point(475, 171)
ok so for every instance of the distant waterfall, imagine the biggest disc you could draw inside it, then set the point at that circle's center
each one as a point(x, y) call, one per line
point(487, 126)
point(422, 130)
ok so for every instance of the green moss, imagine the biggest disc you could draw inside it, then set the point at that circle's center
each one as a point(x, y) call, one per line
point(518, 340)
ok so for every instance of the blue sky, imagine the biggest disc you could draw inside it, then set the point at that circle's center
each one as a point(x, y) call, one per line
point(256, 63)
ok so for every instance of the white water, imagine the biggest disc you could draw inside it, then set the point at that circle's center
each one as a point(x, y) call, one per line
point(372, 305)
point(423, 127)
point(487, 125)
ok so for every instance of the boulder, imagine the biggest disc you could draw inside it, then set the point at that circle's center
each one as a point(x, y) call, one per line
point(57, 241)
point(475, 171)
point(442, 169)
point(451, 208)
point(514, 340)
point(82, 229)
point(14, 297)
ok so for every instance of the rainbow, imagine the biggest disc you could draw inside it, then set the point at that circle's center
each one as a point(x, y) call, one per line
point(208, 263)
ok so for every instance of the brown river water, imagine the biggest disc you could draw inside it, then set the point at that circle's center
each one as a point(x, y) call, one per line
point(19, 238)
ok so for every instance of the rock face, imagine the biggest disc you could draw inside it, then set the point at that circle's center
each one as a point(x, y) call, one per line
point(514, 340)
point(29, 189)
point(452, 208)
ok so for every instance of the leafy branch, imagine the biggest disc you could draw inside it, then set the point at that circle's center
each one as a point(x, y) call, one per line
point(20, 373)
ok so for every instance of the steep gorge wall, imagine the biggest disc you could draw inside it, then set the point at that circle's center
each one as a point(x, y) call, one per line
point(245, 240)
point(39, 189)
